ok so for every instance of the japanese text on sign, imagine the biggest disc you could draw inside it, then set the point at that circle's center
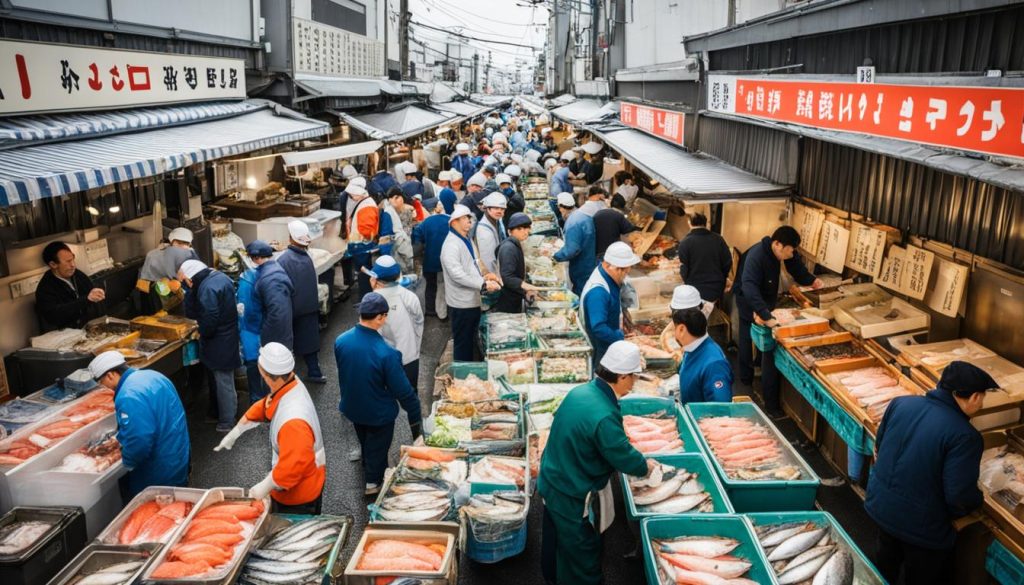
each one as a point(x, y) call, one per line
point(950, 284)
point(892, 268)
point(326, 50)
point(866, 248)
point(832, 246)
point(807, 222)
point(979, 119)
point(37, 77)
point(917, 269)
point(661, 123)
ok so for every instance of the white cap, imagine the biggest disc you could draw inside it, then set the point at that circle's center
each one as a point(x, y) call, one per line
point(512, 171)
point(685, 297)
point(409, 168)
point(569, 155)
point(550, 163)
point(532, 155)
point(516, 157)
point(105, 362)
point(180, 234)
point(566, 200)
point(621, 255)
point(276, 359)
point(499, 137)
point(299, 231)
point(444, 176)
point(459, 212)
point(544, 131)
point(622, 357)
point(495, 200)
point(477, 179)
point(354, 188)
point(592, 147)
point(361, 181)
point(462, 147)
point(349, 171)
point(190, 268)
point(503, 178)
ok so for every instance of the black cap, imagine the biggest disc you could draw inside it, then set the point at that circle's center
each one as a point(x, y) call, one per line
point(259, 249)
point(963, 379)
point(518, 219)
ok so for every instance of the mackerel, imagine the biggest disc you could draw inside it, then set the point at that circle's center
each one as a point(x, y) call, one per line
point(678, 504)
point(296, 577)
point(807, 568)
point(796, 544)
point(776, 537)
point(838, 570)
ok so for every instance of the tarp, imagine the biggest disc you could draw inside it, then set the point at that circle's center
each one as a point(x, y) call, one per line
point(398, 124)
point(344, 151)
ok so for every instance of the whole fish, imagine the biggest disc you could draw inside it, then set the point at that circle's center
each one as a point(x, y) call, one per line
point(414, 515)
point(777, 534)
point(657, 494)
point(704, 546)
point(808, 555)
point(264, 566)
point(679, 504)
point(101, 578)
point(838, 570)
point(295, 577)
point(807, 567)
point(126, 567)
point(796, 544)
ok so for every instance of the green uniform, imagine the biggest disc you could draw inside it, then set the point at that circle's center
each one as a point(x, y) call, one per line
point(586, 445)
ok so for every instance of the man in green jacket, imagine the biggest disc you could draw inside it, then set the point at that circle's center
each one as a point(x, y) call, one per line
point(586, 445)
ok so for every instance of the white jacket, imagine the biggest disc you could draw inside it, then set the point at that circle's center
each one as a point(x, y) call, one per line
point(403, 329)
point(487, 241)
point(462, 278)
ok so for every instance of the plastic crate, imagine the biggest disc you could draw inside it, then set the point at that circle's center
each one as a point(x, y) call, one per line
point(762, 337)
point(723, 525)
point(48, 555)
point(762, 495)
point(647, 405)
point(864, 573)
point(509, 545)
point(1003, 566)
point(694, 463)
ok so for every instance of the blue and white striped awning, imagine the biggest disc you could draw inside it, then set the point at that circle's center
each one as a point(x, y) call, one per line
point(59, 168)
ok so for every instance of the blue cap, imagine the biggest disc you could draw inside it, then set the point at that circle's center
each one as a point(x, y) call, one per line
point(411, 188)
point(430, 203)
point(963, 378)
point(385, 268)
point(259, 249)
point(518, 219)
point(373, 304)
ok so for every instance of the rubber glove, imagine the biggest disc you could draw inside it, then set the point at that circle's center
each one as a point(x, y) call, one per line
point(240, 307)
point(229, 439)
point(263, 488)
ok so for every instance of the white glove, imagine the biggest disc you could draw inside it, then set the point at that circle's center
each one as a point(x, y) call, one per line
point(229, 439)
point(241, 309)
point(263, 488)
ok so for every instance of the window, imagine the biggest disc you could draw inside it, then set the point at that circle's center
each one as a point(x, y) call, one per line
point(344, 14)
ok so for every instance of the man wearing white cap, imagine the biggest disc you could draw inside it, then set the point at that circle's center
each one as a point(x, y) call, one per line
point(600, 309)
point(475, 194)
point(305, 301)
point(211, 302)
point(580, 249)
point(489, 230)
point(299, 464)
point(151, 425)
point(362, 226)
point(704, 373)
point(587, 444)
point(463, 162)
point(464, 281)
point(447, 195)
point(506, 184)
point(161, 266)
point(560, 179)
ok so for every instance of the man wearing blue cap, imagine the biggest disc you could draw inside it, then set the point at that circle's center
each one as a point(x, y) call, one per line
point(927, 458)
point(404, 327)
point(264, 311)
point(373, 384)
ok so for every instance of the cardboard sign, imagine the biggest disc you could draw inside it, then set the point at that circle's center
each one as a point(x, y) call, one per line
point(892, 269)
point(832, 246)
point(917, 269)
point(867, 245)
point(807, 221)
point(950, 285)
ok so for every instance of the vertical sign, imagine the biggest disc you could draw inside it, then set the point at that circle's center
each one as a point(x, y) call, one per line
point(917, 269)
point(892, 268)
point(832, 246)
point(866, 248)
point(807, 221)
point(950, 284)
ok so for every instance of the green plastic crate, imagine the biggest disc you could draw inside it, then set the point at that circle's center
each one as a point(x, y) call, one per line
point(694, 463)
point(765, 495)
point(762, 337)
point(724, 525)
point(1004, 567)
point(645, 405)
point(864, 573)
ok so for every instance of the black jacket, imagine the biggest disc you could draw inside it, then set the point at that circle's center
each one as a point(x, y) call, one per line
point(757, 285)
point(609, 227)
point(705, 262)
point(512, 266)
point(60, 306)
point(211, 302)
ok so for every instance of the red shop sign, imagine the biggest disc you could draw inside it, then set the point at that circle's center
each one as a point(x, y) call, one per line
point(661, 123)
point(981, 119)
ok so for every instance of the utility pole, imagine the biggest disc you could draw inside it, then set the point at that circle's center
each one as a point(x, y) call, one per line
point(487, 72)
point(403, 38)
point(476, 69)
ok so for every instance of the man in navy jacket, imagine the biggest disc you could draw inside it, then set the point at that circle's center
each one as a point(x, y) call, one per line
point(756, 290)
point(297, 264)
point(431, 232)
point(927, 456)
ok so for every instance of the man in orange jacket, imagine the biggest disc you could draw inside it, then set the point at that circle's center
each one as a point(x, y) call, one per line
point(296, 481)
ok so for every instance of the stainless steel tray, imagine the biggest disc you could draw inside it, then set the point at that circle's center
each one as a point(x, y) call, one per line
point(97, 556)
point(109, 534)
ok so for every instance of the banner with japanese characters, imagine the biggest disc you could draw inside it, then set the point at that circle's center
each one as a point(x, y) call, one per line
point(40, 77)
point(664, 124)
point(979, 119)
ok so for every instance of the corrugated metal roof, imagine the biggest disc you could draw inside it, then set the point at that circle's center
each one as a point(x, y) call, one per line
point(490, 99)
point(442, 92)
point(564, 99)
point(583, 111)
point(464, 109)
point(686, 174)
point(305, 157)
point(398, 124)
point(347, 86)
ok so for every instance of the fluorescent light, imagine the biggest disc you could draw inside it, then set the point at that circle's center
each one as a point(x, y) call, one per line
point(115, 209)
point(92, 210)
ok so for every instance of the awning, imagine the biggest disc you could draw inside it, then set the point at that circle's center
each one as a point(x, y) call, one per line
point(691, 176)
point(531, 105)
point(442, 92)
point(564, 99)
point(463, 109)
point(347, 87)
point(486, 99)
point(396, 125)
point(582, 111)
point(344, 151)
point(50, 170)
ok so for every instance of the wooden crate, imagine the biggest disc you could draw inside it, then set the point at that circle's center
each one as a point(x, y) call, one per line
point(842, 396)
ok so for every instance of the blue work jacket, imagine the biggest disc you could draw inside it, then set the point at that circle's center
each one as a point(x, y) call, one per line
point(431, 232)
point(464, 164)
point(560, 182)
point(580, 249)
point(705, 374)
point(372, 380)
point(250, 320)
point(274, 292)
point(602, 315)
point(305, 300)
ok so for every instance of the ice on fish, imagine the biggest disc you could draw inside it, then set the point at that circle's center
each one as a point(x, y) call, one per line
point(18, 536)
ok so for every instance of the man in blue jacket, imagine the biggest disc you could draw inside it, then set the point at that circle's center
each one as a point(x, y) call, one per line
point(265, 293)
point(447, 196)
point(431, 233)
point(151, 425)
point(580, 249)
point(756, 291)
point(925, 476)
point(600, 309)
point(373, 384)
point(463, 163)
point(704, 373)
point(305, 300)
point(559, 182)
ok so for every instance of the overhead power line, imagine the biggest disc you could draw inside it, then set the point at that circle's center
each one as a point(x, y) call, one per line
point(467, 37)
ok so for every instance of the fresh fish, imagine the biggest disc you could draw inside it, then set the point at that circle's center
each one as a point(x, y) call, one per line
point(264, 566)
point(679, 504)
point(705, 546)
point(313, 540)
point(838, 570)
point(776, 535)
point(102, 578)
point(657, 494)
point(652, 479)
point(691, 487)
point(416, 501)
point(808, 555)
point(295, 577)
point(796, 544)
point(18, 536)
point(126, 567)
point(804, 566)
point(784, 473)
point(414, 515)
point(722, 567)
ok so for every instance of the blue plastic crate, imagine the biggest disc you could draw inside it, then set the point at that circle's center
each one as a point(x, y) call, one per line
point(763, 495)
point(802, 380)
point(694, 463)
point(1003, 565)
point(647, 405)
point(723, 525)
point(508, 545)
point(762, 337)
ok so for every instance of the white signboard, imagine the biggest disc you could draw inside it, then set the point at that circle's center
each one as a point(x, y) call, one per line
point(807, 221)
point(917, 269)
point(722, 93)
point(325, 50)
point(892, 268)
point(39, 77)
point(867, 245)
point(832, 246)
point(950, 285)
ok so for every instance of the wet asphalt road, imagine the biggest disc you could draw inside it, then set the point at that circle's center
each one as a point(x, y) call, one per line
point(249, 462)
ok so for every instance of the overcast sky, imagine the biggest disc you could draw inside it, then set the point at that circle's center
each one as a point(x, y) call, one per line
point(500, 20)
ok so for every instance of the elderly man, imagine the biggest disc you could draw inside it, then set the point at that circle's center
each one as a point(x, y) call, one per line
point(373, 384)
point(296, 480)
point(580, 248)
point(211, 302)
point(489, 230)
point(432, 233)
point(265, 299)
point(160, 267)
point(151, 425)
point(600, 310)
point(305, 301)
point(463, 162)
point(464, 281)
point(512, 262)
point(65, 297)
point(475, 194)
point(404, 327)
